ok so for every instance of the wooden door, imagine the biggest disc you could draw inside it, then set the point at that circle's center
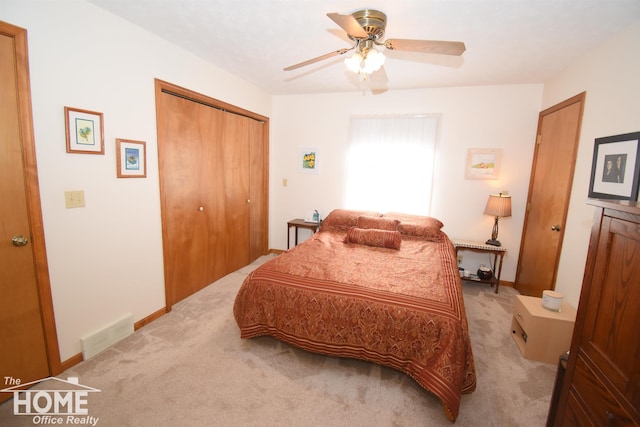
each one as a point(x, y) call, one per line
point(206, 175)
point(549, 192)
point(28, 343)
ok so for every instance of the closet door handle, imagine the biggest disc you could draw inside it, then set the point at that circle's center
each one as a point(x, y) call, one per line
point(555, 227)
point(201, 208)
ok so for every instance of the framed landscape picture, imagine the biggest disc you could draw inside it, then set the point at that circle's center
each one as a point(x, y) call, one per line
point(483, 163)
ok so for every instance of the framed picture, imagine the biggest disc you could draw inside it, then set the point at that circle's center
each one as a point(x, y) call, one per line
point(309, 160)
point(615, 167)
point(85, 132)
point(483, 163)
point(131, 158)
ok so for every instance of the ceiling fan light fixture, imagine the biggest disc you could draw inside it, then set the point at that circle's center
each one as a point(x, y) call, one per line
point(366, 63)
point(354, 62)
point(373, 61)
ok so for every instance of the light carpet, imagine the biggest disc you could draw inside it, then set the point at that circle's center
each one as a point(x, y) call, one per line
point(190, 368)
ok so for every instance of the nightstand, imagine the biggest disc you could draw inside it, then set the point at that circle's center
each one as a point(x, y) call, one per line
point(300, 223)
point(541, 334)
point(497, 251)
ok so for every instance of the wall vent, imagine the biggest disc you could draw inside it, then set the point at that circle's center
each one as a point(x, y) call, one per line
point(94, 343)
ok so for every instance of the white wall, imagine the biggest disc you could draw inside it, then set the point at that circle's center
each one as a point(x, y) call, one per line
point(105, 260)
point(609, 75)
point(471, 117)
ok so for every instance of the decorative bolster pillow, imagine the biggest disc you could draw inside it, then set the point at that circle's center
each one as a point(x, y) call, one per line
point(379, 223)
point(373, 237)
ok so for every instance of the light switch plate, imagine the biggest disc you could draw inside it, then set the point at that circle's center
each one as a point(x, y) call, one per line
point(74, 199)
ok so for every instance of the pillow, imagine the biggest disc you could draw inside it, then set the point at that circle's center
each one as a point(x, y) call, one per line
point(378, 223)
point(425, 221)
point(343, 219)
point(373, 237)
point(421, 232)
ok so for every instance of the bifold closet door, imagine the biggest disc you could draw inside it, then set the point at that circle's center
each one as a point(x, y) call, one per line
point(258, 189)
point(204, 184)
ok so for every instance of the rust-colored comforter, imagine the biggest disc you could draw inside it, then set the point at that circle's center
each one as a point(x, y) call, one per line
point(399, 308)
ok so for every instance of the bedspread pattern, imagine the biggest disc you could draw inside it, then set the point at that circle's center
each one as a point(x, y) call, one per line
point(369, 303)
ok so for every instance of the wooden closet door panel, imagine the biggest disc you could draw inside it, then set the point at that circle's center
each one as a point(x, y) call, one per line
point(258, 189)
point(610, 334)
point(188, 207)
point(231, 184)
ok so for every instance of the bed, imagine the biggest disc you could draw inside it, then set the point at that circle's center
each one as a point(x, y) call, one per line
point(382, 288)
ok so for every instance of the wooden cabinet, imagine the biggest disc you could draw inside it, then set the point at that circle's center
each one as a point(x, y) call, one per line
point(541, 334)
point(602, 384)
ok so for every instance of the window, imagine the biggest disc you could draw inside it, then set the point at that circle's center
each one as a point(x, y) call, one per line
point(390, 163)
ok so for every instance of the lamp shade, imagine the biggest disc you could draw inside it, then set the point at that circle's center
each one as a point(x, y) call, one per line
point(498, 205)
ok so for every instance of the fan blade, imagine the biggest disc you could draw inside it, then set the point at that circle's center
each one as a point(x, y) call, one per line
point(379, 81)
point(349, 24)
point(318, 59)
point(426, 46)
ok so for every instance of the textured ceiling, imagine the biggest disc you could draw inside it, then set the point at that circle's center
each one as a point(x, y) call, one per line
point(507, 41)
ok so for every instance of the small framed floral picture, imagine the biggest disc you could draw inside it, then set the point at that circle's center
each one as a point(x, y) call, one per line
point(309, 160)
point(131, 158)
point(84, 131)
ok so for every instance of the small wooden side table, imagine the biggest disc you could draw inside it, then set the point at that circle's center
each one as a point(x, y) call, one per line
point(299, 223)
point(497, 251)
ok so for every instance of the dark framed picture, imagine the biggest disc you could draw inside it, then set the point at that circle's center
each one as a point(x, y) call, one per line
point(615, 169)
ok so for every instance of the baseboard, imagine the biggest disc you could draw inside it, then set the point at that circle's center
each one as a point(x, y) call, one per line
point(507, 284)
point(71, 362)
point(276, 251)
point(74, 360)
point(150, 318)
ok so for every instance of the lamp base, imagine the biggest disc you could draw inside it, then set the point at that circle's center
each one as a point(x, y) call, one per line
point(493, 242)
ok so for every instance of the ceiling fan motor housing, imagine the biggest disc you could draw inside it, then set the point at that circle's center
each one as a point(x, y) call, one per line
point(373, 22)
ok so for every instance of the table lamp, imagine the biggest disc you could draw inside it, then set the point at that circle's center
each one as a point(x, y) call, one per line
point(498, 206)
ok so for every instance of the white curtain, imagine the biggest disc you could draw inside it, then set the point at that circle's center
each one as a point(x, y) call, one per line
point(390, 163)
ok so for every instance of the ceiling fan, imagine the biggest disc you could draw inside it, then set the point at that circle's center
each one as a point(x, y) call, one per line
point(366, 28)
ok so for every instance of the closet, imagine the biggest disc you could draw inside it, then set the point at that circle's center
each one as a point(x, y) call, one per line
point(601, 386)
point(213, 165)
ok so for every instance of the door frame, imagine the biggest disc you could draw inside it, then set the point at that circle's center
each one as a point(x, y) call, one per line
point(36, 223)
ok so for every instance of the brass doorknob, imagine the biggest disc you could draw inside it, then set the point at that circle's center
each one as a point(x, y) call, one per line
point(555, 228)
point(19, 241)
